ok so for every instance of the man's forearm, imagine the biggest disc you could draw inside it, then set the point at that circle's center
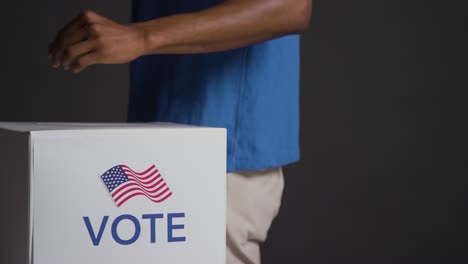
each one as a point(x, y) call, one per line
point(231, 24)
point(93, 39)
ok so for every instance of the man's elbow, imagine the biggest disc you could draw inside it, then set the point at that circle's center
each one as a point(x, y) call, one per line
point(299, 15)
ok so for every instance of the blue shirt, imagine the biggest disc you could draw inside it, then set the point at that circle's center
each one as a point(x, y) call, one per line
point(251, 91)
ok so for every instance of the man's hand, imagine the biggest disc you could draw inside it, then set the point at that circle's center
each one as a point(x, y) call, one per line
point(92, 39)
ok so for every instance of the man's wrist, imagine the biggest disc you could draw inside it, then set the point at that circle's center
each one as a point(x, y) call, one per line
point(150, 40)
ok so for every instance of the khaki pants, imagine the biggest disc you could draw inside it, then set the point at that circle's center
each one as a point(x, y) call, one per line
point(253, 201)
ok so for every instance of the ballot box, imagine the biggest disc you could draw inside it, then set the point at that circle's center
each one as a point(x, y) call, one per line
point(77, 193)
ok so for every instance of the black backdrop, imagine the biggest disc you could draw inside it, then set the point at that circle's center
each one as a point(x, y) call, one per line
point(381, 178)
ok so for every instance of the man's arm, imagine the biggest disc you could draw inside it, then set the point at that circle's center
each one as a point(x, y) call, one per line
point(91, 39)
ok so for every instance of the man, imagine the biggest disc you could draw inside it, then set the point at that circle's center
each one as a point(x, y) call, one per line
point(231, 63)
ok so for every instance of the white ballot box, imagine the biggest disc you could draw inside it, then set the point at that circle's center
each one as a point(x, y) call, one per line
point(112, 193)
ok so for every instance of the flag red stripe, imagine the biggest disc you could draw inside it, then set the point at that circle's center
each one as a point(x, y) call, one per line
point(141, 191)
point(157, 181)
point(133, 186)
point(136, 190)
point(138, 173)
point(144, 177)
point(146, 182)
point(154, 200)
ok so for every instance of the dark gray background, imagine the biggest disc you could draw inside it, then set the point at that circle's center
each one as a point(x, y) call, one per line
point(382, 175)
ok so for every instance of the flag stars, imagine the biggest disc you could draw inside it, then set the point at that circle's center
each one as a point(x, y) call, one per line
point(114, 177)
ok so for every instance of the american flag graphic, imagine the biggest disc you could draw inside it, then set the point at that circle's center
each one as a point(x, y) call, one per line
point(123, 183)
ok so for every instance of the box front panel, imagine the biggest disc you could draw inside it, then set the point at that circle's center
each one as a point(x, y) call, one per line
point(130, 197)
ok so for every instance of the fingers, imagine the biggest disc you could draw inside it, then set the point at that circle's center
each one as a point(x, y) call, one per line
point(71, 54)
point(63, 35)
point(76, 23)
point(83, 62)
point(80, 29)
point(79, 36)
